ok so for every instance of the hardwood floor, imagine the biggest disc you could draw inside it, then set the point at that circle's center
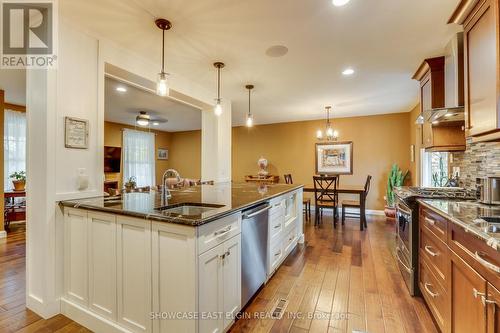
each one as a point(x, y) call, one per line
point(341, 280)
point(14, 316)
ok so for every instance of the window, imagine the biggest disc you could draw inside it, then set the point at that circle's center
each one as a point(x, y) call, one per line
point(14, 145)
point(139, 157)
point(434, 169)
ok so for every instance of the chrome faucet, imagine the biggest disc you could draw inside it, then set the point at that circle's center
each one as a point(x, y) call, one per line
point(166, 194)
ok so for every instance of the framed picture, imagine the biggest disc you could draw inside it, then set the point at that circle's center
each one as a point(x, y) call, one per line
point(334, 158)
point(162, 154)
point(76, 133)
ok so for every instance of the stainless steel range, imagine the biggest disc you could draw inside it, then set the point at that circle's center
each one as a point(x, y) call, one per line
point(406, 251)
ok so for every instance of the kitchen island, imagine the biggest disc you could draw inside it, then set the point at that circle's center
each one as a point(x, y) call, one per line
point(150, 262)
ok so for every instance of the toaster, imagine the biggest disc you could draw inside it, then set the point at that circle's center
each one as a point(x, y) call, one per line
point(488, 190)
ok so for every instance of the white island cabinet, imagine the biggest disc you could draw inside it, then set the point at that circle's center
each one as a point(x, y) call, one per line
point(132, 274)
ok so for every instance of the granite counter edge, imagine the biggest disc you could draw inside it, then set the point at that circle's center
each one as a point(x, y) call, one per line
point(160, 218)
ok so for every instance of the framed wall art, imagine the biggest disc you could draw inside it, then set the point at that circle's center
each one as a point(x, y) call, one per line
point(334, 158)
point(76, 133)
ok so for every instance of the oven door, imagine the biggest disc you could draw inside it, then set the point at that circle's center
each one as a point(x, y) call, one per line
point(404, 244)
point(405, 268)
point(403, 226)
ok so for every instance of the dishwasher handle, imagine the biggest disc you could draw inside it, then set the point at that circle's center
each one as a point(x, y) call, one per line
point(249, 216)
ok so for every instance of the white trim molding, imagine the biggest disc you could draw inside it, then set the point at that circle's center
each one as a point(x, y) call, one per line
point(3, 234)
point(374, 212)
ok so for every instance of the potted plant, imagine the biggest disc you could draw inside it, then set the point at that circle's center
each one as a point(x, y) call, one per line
point(396, 178)
point(18, 180)
point(130, 184)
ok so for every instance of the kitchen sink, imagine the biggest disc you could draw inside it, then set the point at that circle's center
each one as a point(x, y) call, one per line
point(189, 209)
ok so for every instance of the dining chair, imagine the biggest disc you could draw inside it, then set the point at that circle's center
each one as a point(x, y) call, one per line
point(325, 188)
point(306, 202)
point(356, 204)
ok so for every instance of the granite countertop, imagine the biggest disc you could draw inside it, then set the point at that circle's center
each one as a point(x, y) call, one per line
point(467, 214)
point(222, 199)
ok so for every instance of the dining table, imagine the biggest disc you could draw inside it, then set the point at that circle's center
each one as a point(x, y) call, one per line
point(348, 189)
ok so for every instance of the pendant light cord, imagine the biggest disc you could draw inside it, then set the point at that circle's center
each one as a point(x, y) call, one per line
point(249, 92)
point(218, 83)
point(163, 53)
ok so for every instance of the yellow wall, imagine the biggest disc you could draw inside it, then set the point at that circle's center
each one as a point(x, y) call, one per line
point(185, 154)
point(415, 139)
point(379, 141)
point(184, 150)
point(113, 137)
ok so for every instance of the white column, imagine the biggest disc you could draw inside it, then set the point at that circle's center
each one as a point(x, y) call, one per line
point(41, 281)
point(216, 144)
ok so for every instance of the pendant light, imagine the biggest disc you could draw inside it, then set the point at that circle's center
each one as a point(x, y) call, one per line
point(218, 107)
point(249, 121)
point(331, 134)
point(162, 88)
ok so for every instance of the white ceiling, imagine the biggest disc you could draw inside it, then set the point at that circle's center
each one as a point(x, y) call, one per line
point(123, 107)
point(13, 82)
point(383, 40)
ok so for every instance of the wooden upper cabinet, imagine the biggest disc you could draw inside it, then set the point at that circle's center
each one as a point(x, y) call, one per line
point(449, 137)
point(482, 79)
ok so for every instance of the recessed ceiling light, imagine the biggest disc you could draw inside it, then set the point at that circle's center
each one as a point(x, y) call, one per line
point(339, 3)
point(121, 89)
point(348, 71)
point(277, 51)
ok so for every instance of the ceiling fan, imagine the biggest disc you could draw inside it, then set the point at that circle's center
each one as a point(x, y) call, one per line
point(144, 119)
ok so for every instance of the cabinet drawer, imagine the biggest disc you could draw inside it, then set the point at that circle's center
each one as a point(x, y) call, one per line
point(434, 222)
point(277, 207)
point(290, 241)
point(475, 252)
point(275, 228)
point(275, 256)
point(433, 293)
point(216, 232)
point(436, 253)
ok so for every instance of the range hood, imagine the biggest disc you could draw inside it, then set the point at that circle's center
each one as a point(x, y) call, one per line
point(453, 111)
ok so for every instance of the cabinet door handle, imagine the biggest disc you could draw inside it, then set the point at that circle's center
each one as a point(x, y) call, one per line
point(277, 253)
point(277, 226)
point(486, 301)
point(428, 250)
point(225, 255)
point(222, 232)
point(430, 221)
point(486, 263)
point(476, 293)
point(432, 294)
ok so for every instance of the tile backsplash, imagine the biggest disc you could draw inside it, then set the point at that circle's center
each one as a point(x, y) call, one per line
point(479, 160)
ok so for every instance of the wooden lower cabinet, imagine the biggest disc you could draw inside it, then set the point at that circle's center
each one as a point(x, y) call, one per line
point(461, 293)
point(492, 303)
point(468, 313)
point(434, 294)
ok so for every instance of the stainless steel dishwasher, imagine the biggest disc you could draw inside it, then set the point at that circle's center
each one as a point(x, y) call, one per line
point(254, 229)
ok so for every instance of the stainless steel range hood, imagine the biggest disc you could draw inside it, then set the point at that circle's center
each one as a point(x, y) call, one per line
point(454, 86)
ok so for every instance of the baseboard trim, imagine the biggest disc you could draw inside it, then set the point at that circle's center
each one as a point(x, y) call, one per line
point(89, 319)
point(3, 234)
point(45, 310)
point(356, 211)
